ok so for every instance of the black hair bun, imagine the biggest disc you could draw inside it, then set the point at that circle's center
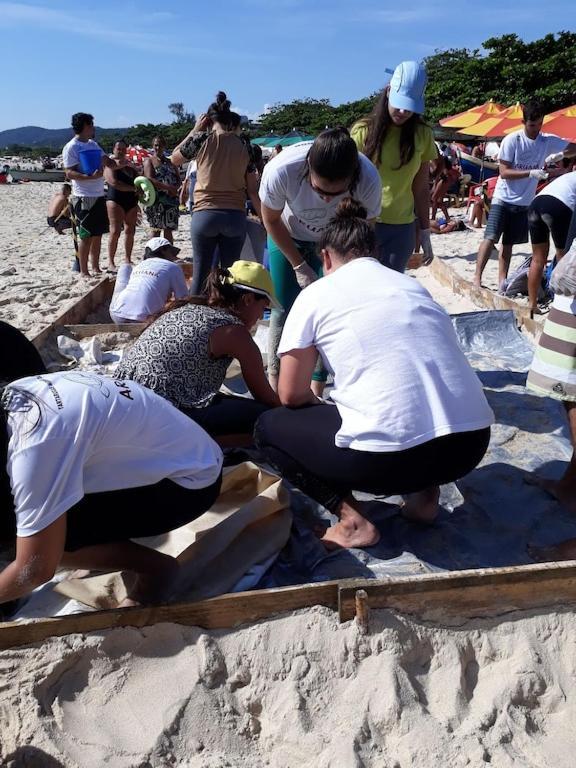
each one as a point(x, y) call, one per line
point(351, 209)
point(222, 102)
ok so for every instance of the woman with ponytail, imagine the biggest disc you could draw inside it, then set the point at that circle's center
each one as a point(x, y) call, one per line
point(401, 145)
point(410, 413)
point(225, 178)
point(184, 354)
point(300, 191)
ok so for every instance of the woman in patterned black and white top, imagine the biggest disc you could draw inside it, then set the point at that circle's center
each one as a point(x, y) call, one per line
point(185, 353)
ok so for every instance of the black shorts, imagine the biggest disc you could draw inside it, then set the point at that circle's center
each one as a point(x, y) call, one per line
point(507, 221)
point(90, 222)
point(549, 216)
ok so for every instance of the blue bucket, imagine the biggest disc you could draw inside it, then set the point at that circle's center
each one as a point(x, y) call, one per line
point(90, 160)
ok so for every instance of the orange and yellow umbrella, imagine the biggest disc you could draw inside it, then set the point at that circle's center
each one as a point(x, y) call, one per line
point(472, 115)
point(504, 122)
point(562, 123)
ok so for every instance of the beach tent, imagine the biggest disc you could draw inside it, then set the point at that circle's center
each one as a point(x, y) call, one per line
point(264, 140)
point(137, 154)
point(498, 125)
point(473, 115)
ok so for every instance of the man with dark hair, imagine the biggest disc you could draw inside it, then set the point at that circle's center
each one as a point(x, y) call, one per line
point(523, 155)
point(88, 201)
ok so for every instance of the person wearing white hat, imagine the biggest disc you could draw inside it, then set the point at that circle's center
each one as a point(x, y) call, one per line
point(396, 139)
point(185, 353)
point(142, 291)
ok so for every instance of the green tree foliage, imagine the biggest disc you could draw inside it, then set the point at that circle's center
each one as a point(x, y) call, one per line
point(313, 115)
point(180, 114)
point(506, 69)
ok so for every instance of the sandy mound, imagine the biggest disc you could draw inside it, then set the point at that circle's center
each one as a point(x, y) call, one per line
point(300, 690)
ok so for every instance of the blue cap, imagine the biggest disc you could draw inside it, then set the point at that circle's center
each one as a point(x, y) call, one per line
point(407, 87)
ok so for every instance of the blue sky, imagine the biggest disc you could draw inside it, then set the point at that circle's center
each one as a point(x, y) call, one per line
point(125, 61)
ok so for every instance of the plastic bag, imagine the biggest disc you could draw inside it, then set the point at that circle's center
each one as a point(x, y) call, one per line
point(563, 280)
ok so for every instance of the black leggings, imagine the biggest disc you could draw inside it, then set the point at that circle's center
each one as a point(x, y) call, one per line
point(133, 513)
point(227, 415)
point(299, 444)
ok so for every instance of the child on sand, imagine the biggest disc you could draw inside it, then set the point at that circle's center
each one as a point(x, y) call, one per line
point(59, 210)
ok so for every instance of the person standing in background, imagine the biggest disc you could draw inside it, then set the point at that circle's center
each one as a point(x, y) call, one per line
point(88, 202)
point(401, 146)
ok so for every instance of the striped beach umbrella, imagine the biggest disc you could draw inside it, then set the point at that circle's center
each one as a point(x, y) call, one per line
point(499, 125)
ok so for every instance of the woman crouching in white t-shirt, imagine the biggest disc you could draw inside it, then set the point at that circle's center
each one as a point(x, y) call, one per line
point(143, 290)
point(410, 413)
point(88, 463)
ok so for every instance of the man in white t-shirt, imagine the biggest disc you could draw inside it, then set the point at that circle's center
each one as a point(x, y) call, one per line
point(143, 291)
point(523, 155)
point(88, 194)
point(550, 214)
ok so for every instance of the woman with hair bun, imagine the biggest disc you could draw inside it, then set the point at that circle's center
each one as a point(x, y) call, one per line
point(410, 412)
point(300, 191)
point(225, 178)
point(399, 142)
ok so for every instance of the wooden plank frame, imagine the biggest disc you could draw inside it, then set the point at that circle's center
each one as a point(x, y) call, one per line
point(446, 598)
point(468, 594)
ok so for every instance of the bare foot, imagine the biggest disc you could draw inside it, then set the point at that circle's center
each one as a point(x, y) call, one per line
point(564, 550)
point(85, 274)
point(477, 283)
point(421, 507)
point(346, 536)
point(353, 530)
point(563, 492)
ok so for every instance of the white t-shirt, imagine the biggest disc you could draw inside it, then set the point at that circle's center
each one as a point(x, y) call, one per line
point(524, 154)
point(151, 284)
point(284, 187)
point(563, 188)
point(71, 160)
point(400, 377)
point(96, 434)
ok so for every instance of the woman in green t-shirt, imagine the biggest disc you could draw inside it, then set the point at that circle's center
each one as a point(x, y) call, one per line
point(401, 145)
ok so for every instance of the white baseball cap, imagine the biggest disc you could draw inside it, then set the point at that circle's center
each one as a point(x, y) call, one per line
point(155, 243)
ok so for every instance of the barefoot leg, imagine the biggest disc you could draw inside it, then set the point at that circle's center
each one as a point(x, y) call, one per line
point(422, 507)
point(353, 529)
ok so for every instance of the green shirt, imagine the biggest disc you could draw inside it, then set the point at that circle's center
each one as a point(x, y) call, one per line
point(397, 195)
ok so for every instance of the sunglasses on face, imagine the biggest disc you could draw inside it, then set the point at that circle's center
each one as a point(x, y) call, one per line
point(323, 193)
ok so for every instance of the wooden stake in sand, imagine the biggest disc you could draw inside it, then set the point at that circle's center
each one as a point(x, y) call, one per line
point(362, 610)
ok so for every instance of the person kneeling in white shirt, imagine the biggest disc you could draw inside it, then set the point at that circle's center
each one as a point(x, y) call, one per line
point(410, 414)
point(143, 291)
point(89, 463)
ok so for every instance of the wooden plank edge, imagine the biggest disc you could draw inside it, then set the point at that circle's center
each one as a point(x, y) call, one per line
point(223, 612)
point(484, 297)
point(86, 330)
point(78, 310)
point(464, 590)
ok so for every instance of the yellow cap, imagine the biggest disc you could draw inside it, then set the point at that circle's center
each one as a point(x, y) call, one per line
point(253, 277)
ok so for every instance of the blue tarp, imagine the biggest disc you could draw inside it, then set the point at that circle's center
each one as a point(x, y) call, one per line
point(487, 518)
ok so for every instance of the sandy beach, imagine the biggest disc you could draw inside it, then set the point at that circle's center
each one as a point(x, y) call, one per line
point(298, 690)
point(37, 283)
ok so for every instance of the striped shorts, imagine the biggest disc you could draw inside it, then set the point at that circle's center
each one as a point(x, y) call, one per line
point(553, 370)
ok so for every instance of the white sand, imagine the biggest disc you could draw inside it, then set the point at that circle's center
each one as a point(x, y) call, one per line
point(299, 691)
point(36, 280)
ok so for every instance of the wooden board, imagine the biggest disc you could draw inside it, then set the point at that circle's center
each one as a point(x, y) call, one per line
point(484, 297)
point(217, 613)
point(86, 330)
point(78, 311)
point(483, 592)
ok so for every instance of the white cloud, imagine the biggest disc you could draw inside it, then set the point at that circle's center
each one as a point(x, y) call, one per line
point(87, 25)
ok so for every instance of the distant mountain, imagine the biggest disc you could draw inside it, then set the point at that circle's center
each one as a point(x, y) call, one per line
point(34, 136)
